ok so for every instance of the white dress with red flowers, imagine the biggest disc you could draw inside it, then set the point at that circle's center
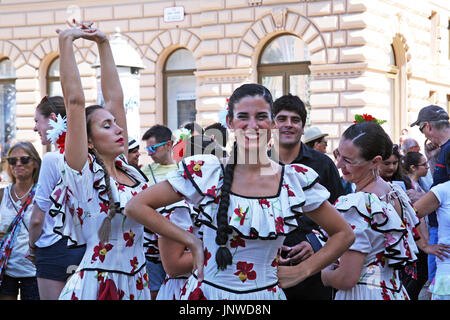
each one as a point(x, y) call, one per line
point(113, 270)
point(183, 215)
point(387, 240)
point(259, 228)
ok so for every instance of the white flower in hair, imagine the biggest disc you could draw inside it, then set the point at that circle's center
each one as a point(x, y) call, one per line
point(57, 135)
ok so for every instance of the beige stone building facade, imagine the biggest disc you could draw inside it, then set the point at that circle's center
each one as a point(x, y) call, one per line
point(385, 57)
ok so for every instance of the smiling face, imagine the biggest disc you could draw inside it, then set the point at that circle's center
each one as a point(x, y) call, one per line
point(251, 122)
point(353, 167)
point(104, 133)
point(290, 127)
point(21, 171)
point(42, 125)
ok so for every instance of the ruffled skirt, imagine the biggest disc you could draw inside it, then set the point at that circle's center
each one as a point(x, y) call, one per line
point(104, 285)
point(369, 292)
point(195, 290)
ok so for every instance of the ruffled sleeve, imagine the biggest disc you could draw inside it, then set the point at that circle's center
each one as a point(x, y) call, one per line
point(197, 178)
point(371, 220)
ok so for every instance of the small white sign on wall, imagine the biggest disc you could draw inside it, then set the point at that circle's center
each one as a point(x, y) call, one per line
point(173, 14)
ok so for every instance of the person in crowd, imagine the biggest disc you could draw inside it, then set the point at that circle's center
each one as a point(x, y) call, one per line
point(438, 200)
point(392, 171)
point(315, 139)
point(97, 182)
point(133, 153)
point(290, 118)
point(17, 273)
point(415, 165)
point(177, 261)
point(433, 122)
point(244, 213)
point(348, 186)
point(409, 145)
point(159, 145)
point(54, 261)
point(381, 217)
point(193, 127)
point(218, 133)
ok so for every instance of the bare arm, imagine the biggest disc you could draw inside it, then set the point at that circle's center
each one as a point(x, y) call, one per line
point(76, 137)
point(347, 275)
point(426, 204)
point(142, 207)
point(175, 259)
point(341, 238)
point(36, 223)
point(110, 84)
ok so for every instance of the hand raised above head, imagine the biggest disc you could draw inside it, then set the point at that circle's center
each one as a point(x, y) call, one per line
point(83, 30)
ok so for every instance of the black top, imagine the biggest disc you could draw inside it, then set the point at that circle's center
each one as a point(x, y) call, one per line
point(329, 177)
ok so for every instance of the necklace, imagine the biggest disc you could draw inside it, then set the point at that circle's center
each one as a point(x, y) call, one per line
point(20, 198)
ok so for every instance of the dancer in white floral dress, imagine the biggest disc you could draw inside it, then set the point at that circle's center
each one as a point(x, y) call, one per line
point(247, 208)
point(97, 183)
point(381, 216)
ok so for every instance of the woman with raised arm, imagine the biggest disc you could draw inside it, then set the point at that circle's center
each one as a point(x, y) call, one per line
point(97, 182)
point(245, 215)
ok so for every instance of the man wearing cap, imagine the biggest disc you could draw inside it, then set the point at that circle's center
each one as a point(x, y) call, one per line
point(290, 117)
point(433, 122)
point(314, 138)
point(133, 153)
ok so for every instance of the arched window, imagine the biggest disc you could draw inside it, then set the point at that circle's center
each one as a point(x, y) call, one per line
point(7, 105)
point(179, 89)
point(53, 79)
point(284, 67)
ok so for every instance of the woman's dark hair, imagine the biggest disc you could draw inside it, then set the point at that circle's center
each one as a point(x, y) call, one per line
point(371, 140)
point(49, 105)
point(201, 144)
point(411, 159)
point(105, 229)
point(223, 254)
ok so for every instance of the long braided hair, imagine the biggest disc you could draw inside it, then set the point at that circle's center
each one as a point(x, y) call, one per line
point(223, 254)
point(105, 229)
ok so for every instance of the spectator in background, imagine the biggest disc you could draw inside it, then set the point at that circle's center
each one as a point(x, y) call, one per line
point(218, 133)
point(17, 274)
point(409, 145)
point(159, 143)
point(193, 127)
point(133, 153)
point(290, 117)
point(315, 139)
point(391, 170)
point(433, 122)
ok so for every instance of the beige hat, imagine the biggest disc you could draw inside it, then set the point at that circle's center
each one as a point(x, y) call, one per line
point(313, 133)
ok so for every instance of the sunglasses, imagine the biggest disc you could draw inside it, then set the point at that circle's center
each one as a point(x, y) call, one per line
point(422, 126)
point(23, 160)
point(152, 149)
point(52, 105)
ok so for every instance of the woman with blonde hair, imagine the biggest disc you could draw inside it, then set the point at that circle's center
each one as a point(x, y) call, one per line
point(16, 203)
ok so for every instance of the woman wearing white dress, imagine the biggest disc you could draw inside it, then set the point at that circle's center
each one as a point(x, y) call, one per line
point(381, 216)
point(96, 183)
point(247, 207)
